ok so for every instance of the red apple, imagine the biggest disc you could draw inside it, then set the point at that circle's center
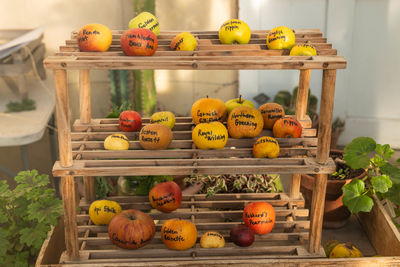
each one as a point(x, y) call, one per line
point(287, 127)
point(259, 216)
point(138, 42)
point(130, 121)
point(131, 229)
point(165, 197)
point(242, 235)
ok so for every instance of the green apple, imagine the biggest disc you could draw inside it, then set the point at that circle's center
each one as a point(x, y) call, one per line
point(145, 20)
point(237, 102)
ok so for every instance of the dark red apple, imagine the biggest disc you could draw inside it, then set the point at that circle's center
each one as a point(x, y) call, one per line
point(130, 121)
point(131, 229)
point(138, 42)
point(165, 197)
point(242, 235)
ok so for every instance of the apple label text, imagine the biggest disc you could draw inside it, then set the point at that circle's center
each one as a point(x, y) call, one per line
point(210, 136)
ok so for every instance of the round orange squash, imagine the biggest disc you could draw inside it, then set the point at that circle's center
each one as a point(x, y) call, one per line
point(178, 234)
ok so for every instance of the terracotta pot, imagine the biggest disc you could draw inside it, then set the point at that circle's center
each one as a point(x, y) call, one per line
point(335, 214)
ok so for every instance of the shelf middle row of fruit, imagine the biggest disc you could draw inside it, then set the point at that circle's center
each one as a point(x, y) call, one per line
point(209, 54)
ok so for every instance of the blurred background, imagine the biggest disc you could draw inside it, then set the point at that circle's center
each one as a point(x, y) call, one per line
point(365, 32)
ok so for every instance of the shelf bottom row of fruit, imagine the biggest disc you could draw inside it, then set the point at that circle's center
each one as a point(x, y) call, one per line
point(220, 213)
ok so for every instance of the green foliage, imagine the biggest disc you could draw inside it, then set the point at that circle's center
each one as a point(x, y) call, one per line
point(18, 106)
point(382, 177)
point(101, 187)
point(252, 183)
point(140, 185)
point(26, 215)
point(116, 110)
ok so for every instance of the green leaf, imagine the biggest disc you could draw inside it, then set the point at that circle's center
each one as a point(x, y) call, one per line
point(398, 160)
point(356, 152)
point(392, 171)
point(354, 198)
point(34, 237)
point(384, 150)
point(381, 183)
point(393, 194)
point(4, 243)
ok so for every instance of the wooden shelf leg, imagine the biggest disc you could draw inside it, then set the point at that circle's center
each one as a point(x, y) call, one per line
point(317, 212)
point(302, 94)
point(65, 150)
point(295, 186)
point(324, 140)
point(301, 112)
point(85, 118)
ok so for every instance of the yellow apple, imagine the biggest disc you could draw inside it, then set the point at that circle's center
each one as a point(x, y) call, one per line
point(280, 37)
point(184, 41)
point(234, 31)
point(145, 20)
point(266, 147)
point(237, 102)
point(303, 50)
point(212, 240)
point(163, 117)
point(116, 142)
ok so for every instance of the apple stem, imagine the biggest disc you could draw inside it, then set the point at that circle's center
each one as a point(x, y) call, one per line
point(240, 99)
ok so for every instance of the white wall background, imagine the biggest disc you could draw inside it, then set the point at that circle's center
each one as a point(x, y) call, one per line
point(366, 33)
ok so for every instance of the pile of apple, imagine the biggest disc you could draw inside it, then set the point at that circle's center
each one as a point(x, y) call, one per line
point(141, 37)
point(133, 229)
point(243, 120)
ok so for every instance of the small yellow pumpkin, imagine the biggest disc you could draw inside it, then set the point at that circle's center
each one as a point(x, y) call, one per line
point(213, 135)
point(178, 234)
point(102, 211)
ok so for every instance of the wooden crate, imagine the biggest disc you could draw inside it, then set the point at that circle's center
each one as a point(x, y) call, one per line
point(81, 152)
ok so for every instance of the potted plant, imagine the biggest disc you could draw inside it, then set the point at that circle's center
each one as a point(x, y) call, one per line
point(335, 213)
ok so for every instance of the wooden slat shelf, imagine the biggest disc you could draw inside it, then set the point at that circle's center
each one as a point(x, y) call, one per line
point(182, 158)
point(287, 239)
point(209, 54)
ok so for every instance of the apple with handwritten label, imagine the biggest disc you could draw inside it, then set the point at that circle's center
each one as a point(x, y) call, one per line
point(287, 127)
point(131, 229)
point(166, 196)
point(234, 31)
point(237, 102)
point(129, 121)
point(259, 216)
point(145, 20)
point(184, 41)
point(138, 42)
point(266, 147)
point(94, 38)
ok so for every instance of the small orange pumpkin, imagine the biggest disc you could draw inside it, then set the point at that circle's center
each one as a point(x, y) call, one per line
point(178, 234)
point(208, 110)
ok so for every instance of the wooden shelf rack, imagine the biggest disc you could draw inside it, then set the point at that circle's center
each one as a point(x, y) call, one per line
point(297, 233)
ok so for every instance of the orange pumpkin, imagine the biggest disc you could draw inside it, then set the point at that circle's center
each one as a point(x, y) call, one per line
point(178, 234)
point(271, 112)
point(259, 216)
point(208, 110)
point(245, 122)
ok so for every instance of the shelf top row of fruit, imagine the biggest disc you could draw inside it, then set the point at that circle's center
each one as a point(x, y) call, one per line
point(209, 54)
